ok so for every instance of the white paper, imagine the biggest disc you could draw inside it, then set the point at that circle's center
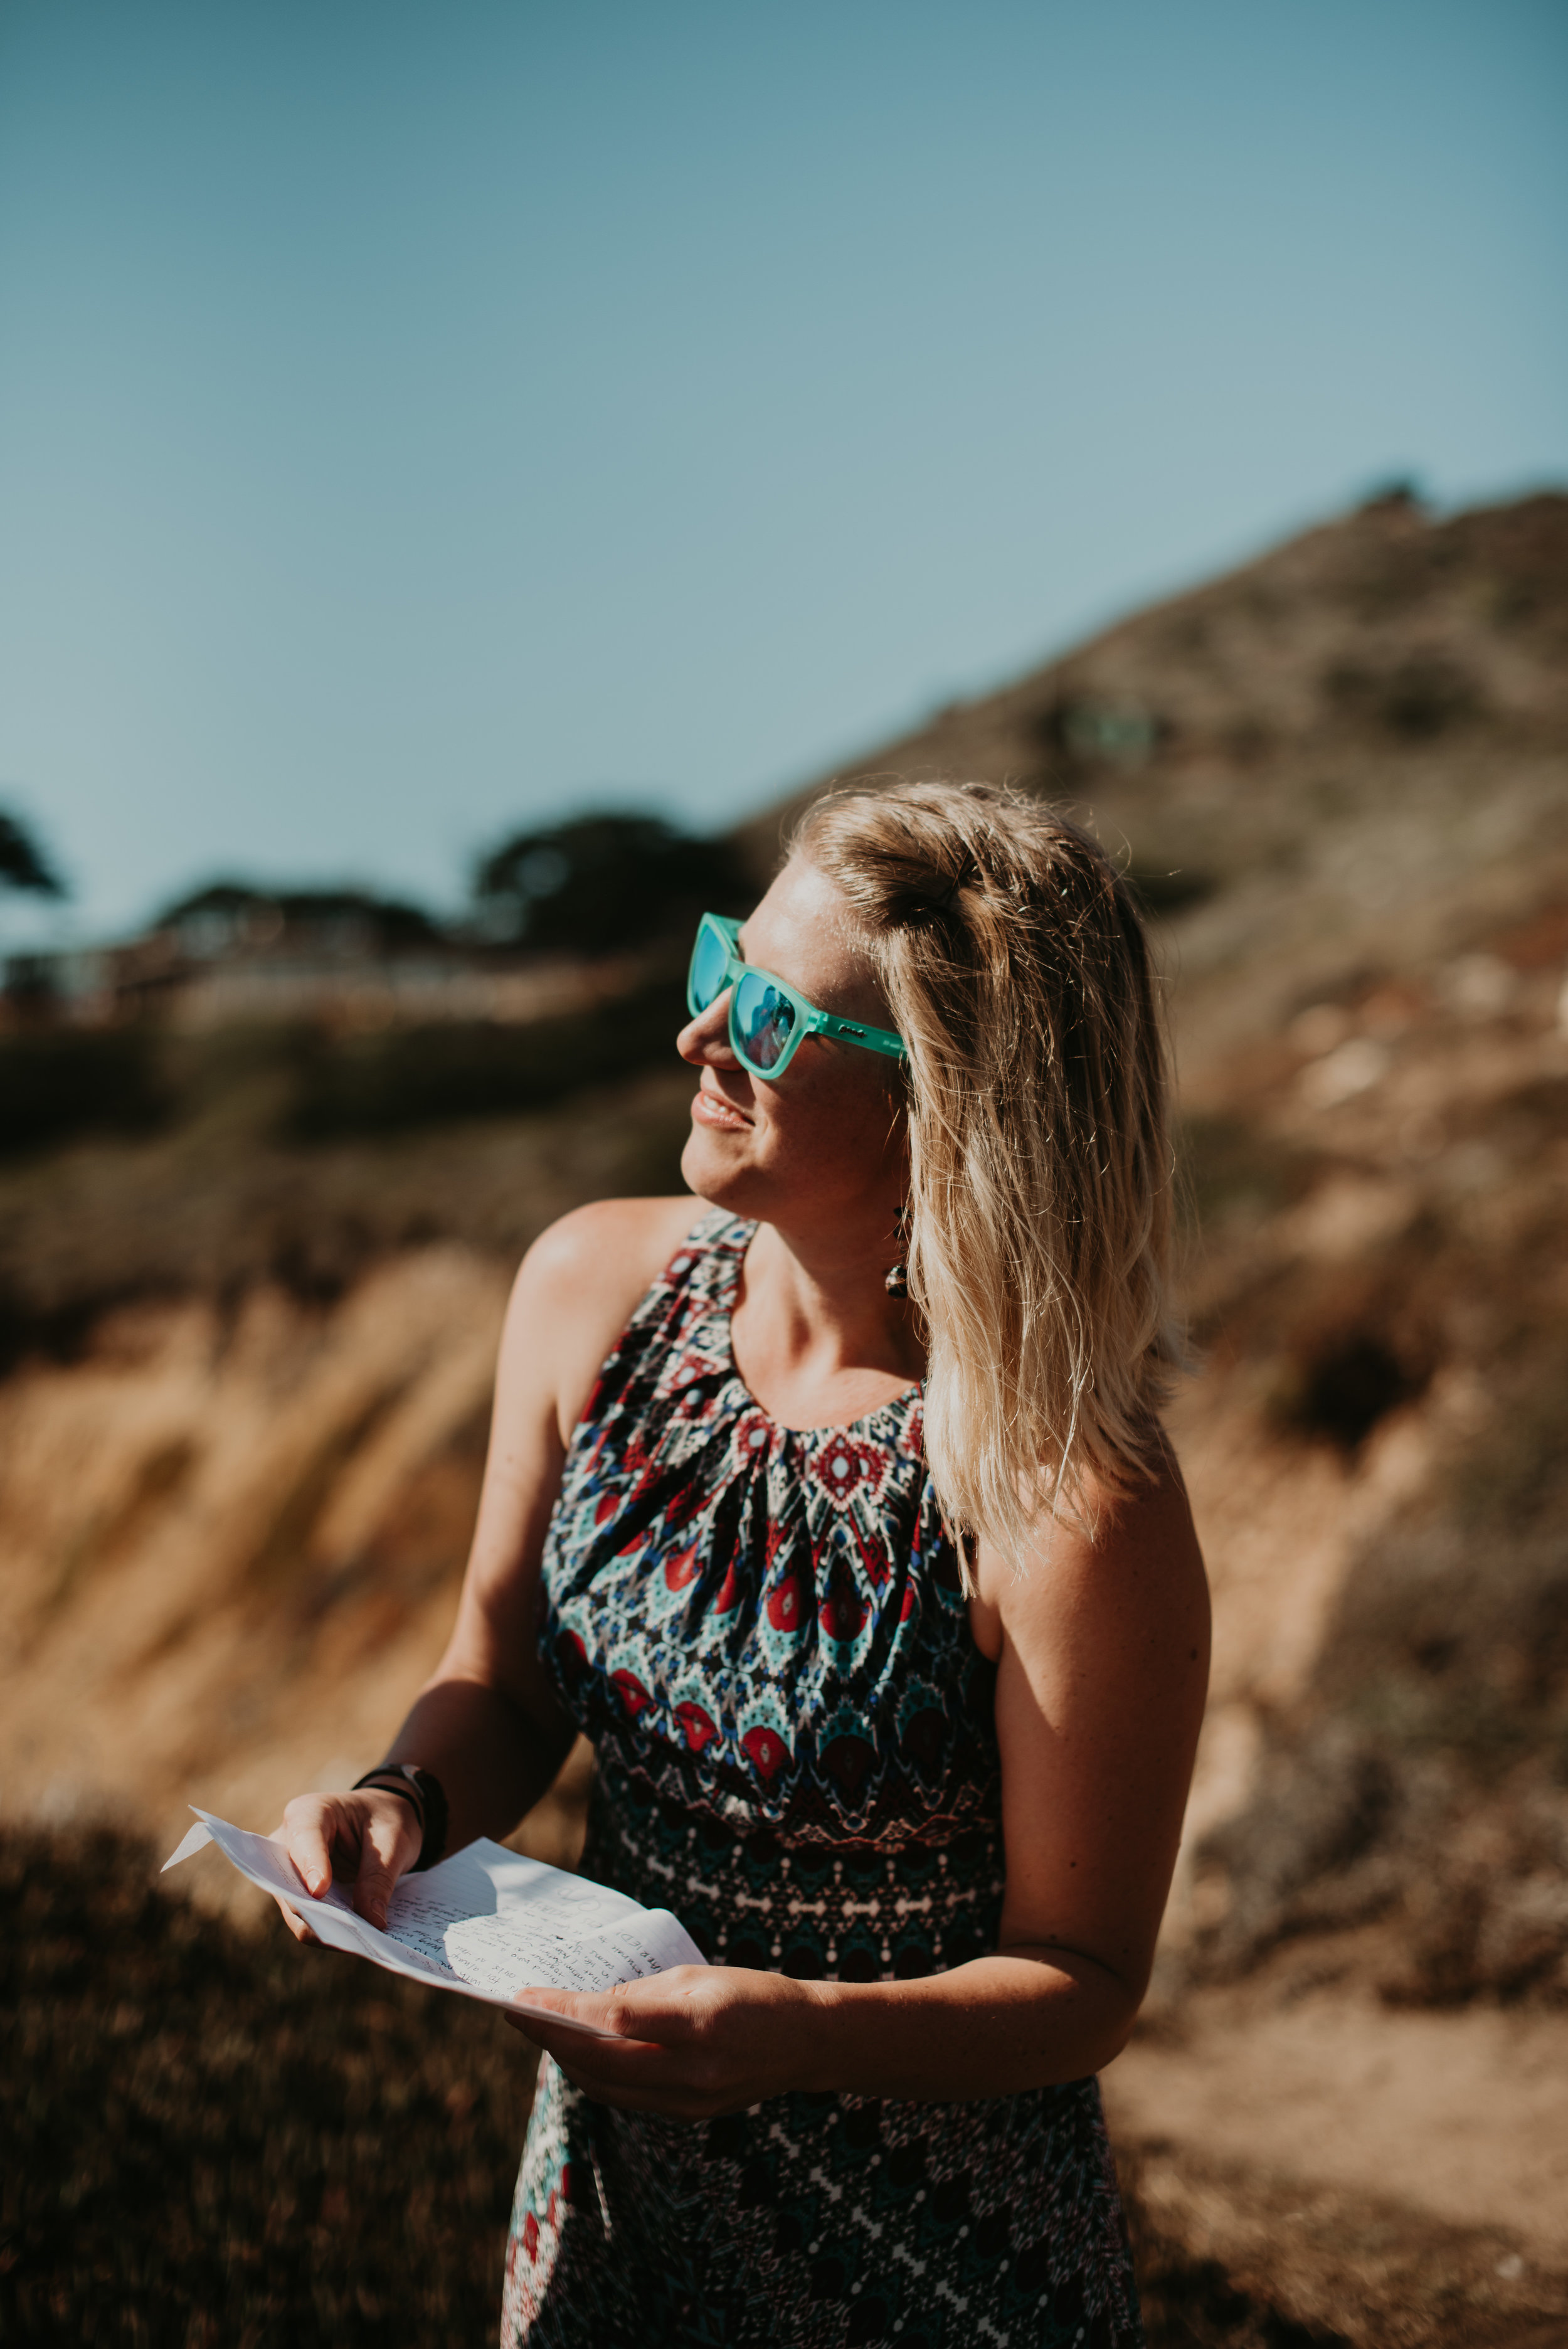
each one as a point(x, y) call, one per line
point(486, 1922)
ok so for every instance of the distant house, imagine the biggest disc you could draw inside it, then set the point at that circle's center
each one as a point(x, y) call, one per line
point(230, 954)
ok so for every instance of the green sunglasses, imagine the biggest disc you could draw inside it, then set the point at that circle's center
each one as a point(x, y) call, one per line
point(769, 1018)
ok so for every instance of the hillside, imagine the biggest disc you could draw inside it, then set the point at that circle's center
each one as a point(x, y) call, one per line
point(242, 1429)
point(1351, 753)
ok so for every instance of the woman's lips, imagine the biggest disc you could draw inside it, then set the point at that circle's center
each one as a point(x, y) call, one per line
point(712, 1109)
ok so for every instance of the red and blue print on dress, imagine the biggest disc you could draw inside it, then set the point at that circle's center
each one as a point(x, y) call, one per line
point(770, 1619)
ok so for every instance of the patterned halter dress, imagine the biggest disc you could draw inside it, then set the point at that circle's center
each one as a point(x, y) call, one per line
point(762, 1631)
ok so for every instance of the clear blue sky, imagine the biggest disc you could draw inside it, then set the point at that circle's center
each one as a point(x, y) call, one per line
point(420, 420)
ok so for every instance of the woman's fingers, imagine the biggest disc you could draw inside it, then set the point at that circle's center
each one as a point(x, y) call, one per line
point(388, 1846)
point(689, 2042)
point(309, 1825)
point(304, 1838)
point(671, 2007)
point(635, 2077)
point(369, 1837)
point(649, 2056)
point(638, 2013)
point(297, 1925)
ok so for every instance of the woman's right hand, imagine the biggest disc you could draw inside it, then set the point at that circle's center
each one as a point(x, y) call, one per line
point(368, 1839)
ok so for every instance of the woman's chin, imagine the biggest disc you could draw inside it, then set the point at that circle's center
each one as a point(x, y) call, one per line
point(713, 1165)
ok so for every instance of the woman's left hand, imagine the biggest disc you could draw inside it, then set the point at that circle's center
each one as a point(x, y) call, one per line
point(690, 2043)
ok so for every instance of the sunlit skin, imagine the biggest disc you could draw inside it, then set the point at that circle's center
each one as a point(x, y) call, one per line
point(1102, 1649)
point(819, 1156)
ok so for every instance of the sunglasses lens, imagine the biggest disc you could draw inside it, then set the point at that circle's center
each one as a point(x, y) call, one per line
point(709, 962)
point(764, 1020)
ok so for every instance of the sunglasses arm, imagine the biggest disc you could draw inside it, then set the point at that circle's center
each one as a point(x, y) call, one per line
point(849, 1031)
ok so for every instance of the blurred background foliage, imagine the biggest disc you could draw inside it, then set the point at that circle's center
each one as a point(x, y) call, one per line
point(594, 889)
point(604, 881)
point(23, 863)
point(302, 1082)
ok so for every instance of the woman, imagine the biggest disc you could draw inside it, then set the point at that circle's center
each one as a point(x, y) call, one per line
point(840, 1518)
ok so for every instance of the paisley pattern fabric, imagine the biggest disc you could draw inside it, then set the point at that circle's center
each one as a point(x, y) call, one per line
point(763, 1632)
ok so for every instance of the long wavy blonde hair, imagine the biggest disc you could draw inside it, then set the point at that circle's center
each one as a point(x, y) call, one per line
point(1015, 967)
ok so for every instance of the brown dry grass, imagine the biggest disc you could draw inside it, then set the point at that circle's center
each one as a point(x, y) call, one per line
point(210, 2142)
point(213, 2138)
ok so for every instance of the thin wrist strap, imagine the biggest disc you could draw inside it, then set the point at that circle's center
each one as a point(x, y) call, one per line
point(393, 1786)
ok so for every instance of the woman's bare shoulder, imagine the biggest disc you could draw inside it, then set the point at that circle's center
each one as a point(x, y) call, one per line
point(612, 1240)
point(1135, 1562)
point(582, 1280)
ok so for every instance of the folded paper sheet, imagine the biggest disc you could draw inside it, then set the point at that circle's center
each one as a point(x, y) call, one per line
point(486, 1922)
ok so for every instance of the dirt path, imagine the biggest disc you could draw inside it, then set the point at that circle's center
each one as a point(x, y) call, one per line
point(1468, 2110)
point(1391, 2177)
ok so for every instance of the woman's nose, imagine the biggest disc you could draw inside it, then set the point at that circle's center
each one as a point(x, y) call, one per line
point(705, 1040)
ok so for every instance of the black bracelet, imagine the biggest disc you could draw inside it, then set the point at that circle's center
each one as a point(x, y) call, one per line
point(424, 1790)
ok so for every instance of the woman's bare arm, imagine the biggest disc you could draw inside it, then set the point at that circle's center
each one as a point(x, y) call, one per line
point(487, 1722)
point(1102, 1655)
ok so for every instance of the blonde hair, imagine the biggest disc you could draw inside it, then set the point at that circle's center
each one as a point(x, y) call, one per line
point(1015, 967)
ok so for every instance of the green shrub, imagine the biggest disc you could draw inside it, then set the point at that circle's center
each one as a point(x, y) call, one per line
point(57, 1083)
point(404, 1077)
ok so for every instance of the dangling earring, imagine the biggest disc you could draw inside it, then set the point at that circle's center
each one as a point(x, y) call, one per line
point(896, 1282)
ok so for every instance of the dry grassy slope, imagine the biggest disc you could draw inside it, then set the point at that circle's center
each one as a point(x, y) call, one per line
point(233, 1543)
point(232, 1536)
point(1357, 743)
point(235, 1506)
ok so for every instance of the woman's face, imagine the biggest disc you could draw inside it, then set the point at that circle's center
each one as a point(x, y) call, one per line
point(822, 1147)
